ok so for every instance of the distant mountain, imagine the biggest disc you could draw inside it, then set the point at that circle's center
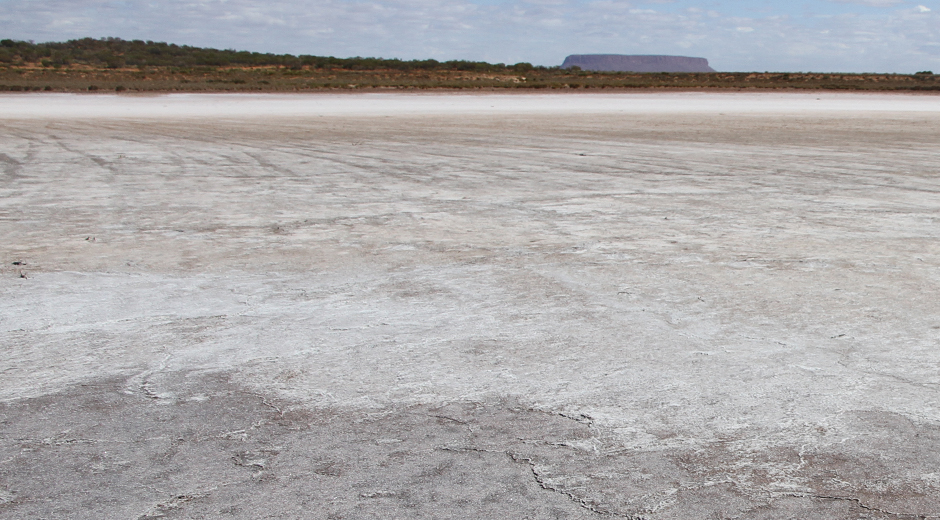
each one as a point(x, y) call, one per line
point(624, 63)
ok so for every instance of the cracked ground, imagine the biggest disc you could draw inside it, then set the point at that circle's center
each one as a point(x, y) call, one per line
point(602, 307)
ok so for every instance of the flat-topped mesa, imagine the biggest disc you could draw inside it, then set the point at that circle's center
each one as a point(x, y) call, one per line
point(624, 63)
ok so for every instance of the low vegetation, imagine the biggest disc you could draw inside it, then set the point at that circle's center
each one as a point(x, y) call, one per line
point(112, 64)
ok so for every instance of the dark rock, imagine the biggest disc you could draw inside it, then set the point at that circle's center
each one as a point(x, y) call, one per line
point(624, 63)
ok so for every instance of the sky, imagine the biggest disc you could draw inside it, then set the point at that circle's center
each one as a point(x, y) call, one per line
point(734, 35)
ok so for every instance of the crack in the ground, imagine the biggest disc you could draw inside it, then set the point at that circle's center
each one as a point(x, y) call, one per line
point(580, 418)
point(858, 501)
point(265, 402)
point(584, 504)
point(176, 502)
point(518, 459)
point(451, 419)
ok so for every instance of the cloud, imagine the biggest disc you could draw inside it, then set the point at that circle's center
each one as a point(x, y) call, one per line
point(870, 3)
point(923, 9)
point(509, 31)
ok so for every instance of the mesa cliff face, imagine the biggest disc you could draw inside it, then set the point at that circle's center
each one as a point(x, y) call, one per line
point(624, 63)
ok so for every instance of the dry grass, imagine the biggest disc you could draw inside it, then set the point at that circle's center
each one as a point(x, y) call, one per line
point(218, 79)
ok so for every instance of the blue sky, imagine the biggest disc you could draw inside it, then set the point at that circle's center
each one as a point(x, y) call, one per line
point(735, 35)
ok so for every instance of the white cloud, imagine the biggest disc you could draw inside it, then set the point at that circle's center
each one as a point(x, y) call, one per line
point(923, 8)
point(871, 3)
point(541, 32)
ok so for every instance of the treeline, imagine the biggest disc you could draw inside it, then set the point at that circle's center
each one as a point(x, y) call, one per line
point(115, 53)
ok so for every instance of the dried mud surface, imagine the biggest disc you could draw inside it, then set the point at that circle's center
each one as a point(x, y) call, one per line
point(647, 315)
